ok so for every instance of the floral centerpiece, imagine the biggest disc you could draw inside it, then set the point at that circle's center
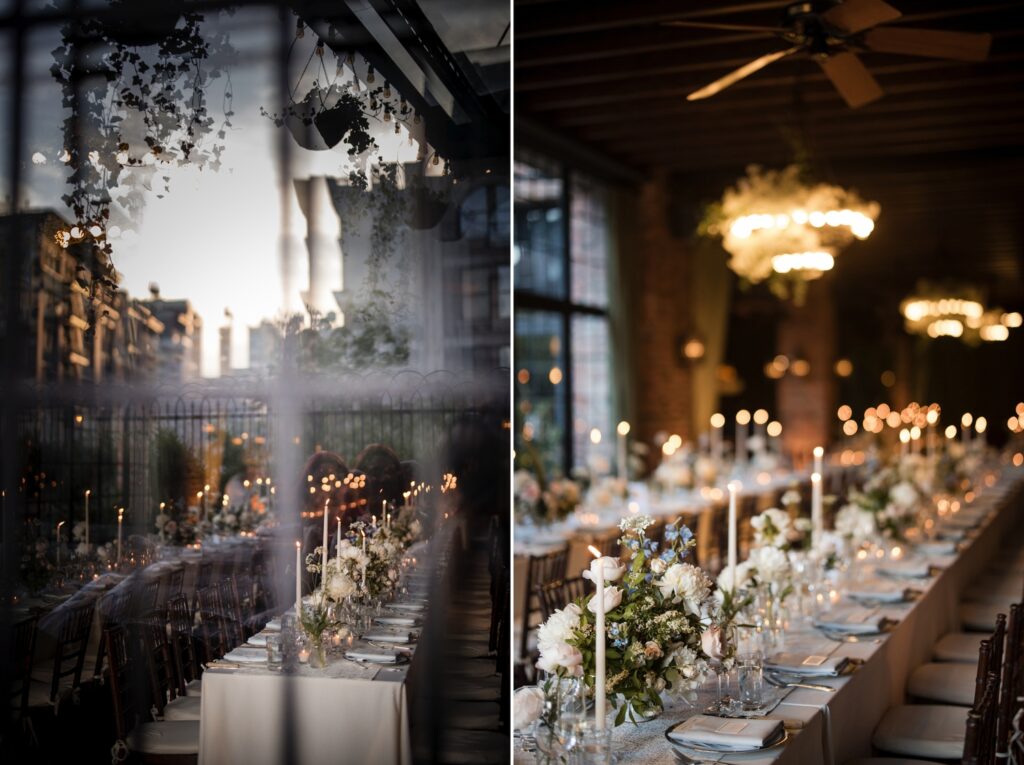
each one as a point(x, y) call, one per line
point(544, 501)
point(886, 505)
point(177, 525)
point(654, 608)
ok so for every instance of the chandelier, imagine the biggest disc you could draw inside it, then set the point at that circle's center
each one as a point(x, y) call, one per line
point(959, 312)
point(777, 228)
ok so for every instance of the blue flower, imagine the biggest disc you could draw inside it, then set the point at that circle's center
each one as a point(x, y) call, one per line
point(671, 532)
point(668, 556)
point(648, 577)
point(686, 534)
point(620, 643)
point(633, 544)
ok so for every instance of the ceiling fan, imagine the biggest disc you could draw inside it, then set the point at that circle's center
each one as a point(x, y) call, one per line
point(833, 31)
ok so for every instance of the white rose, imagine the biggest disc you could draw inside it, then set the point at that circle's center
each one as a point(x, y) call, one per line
point(658, 566)
point(610, 567)
point(561, 656)
point(340, 587)
point(527, 706)
point(612, 598)
point(559, 627)
point(855, 523)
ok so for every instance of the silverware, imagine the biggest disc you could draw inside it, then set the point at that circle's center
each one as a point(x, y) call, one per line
point(772, 680)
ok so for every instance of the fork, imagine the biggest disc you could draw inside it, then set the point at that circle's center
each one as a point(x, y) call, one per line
point(772, 680)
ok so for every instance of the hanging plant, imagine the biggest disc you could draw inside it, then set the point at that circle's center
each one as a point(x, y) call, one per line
point(138, 106)
point(780, 228)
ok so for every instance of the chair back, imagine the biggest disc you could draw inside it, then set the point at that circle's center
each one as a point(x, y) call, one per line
point(113, 608)
point(72, 642)
point(980, 735)
point(555, 595)
point(211, 622)
point(176, 582)
point(990, 657)
point(1011, 692)
point(183, 647)
point(163, 683)
point(21, 650)
point(128, 705)
point(540, 569)
point(234, 632)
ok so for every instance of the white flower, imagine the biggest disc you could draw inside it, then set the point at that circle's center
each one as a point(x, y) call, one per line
point(612, 596)
point(161, 520)
point(770, 527)
point(340, 587)
point(855, 523)
point(683, 582)
point(742, 576)
point(38, 158)
point(561, 656)
point(637, 522)
point(82, 549)
point(611, 568)
point(527, 706)
point(658, 566)
point(559, 627)
point(771, 563)
point(903, 495)
point(527, 489)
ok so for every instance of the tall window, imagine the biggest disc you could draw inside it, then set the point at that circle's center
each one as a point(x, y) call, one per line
point(562, 359)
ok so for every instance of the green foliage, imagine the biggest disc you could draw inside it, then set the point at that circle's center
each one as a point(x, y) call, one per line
point(177, 470)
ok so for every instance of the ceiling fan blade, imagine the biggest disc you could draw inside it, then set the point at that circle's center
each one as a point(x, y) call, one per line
point(850, 77)
point(935, 43)
point(724, 27)
point(744, 71)
point(854, 16)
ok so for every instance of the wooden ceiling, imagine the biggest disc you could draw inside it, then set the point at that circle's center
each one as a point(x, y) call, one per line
point(942, 151)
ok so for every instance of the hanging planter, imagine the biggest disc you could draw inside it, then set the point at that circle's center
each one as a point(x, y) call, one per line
point(780, 229)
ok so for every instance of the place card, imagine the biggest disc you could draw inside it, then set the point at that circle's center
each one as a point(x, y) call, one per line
point(814, 661)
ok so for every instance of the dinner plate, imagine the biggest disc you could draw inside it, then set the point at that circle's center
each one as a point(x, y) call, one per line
point(711, 749)
point(375, 657)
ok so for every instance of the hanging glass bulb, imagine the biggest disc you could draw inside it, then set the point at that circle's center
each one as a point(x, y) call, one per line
point(436, 161)
point(398, 129)
point(416, 118)
point(387, 89)
point(369, 75)
point(300, 28)
point(387, 115)
point(320, 48)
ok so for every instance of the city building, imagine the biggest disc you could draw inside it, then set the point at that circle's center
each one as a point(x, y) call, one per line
point(180, 348)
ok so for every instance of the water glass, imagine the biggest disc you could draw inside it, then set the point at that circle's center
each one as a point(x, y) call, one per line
point(750, 673)
point(275, 652)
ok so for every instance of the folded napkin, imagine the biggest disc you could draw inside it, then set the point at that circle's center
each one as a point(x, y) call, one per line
point(259, 639)
point(247, 655)
point(852, 619)
point(727, 734)
point(912, 568)
point(377, 657)
point(952, 533)
point(398, 621)
point(274, 625)
point(936, 548)
point(807, 664)
point(387, 637)
point(879, 589)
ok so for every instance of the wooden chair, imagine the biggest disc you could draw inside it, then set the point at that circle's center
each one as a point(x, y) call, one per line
point(541, 569)
point(113, 608)
point(183, 647)
point(73, 628)
point(204, 578)
point(168, 703)
point(956, 683)
point(1012, 688)
point(21, 650)
point(555, 595)
point(231, 614)
point(176, 582)
point(145, 594)
point(160, 743)
point(211, 628)
point(980, 735)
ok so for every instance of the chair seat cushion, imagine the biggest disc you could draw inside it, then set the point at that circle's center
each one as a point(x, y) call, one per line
point(922, 730)
point(959, 646)
point(177, 737)
point(472, 689)
point(1000, 589)
point(183, 708)
point(948, 682)
point(463, 747)
point(194, 687)
point(980, 616)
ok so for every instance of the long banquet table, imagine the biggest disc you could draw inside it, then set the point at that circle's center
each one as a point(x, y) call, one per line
point(347, 712)
point(833, 727)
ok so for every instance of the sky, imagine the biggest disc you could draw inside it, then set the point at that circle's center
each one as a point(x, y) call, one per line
point(215, 237)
